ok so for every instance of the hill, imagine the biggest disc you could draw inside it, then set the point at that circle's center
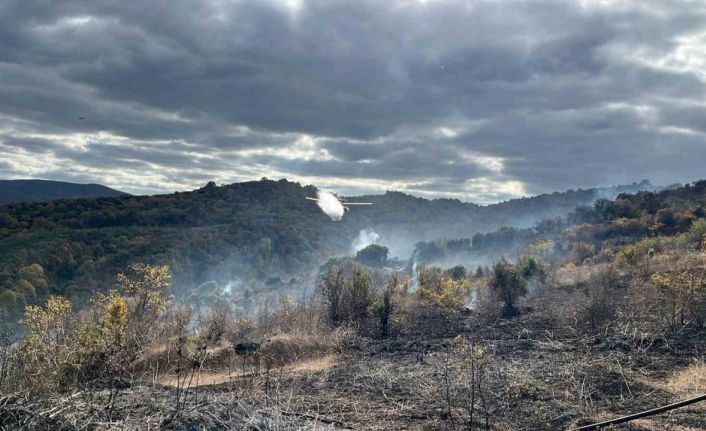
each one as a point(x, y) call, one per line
point(45, 190)
point(251, 240)
point(602, 315)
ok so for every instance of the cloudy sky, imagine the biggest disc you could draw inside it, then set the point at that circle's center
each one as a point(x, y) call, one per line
point(477, 100)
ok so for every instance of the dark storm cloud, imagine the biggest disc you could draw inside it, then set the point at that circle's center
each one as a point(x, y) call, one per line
point(469, 99)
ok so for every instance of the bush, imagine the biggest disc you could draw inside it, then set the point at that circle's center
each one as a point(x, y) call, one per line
point(383, 305)
point(447, 295)
point(508, 286)
point(148, 286)
point(358, 296)
point(684, 293)
point(632, 254)
point(528, 267)
point(697, 232)
point(347, 301)
point(331, 290)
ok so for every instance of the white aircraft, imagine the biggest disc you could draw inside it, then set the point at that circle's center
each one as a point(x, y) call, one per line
point(332, 206)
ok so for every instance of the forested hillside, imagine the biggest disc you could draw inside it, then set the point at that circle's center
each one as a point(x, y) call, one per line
point(45, 190)
point(251, 240)
point(599, 314)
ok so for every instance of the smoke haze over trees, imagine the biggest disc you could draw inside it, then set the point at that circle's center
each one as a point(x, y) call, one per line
point(252, 240)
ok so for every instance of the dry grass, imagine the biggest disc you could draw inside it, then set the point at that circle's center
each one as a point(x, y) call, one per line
point(691, 380)
point(208, 378)
point(315, 365)
point(205, 378)
point(294, 352)
point(653, 425)
point(284, 349)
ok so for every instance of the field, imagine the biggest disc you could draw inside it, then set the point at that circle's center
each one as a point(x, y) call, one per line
point(532, 375)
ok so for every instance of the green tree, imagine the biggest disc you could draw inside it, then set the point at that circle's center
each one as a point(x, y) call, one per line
point(373, 255)
point(508, 285)
point(359, 295)
point(457, 272)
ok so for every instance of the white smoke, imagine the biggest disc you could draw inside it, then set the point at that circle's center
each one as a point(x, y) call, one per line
point(473, 300)
point(365, 238)
point(228, 288)
point(414, 280)
point(330, 205)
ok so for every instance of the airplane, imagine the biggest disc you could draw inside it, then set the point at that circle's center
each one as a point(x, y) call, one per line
point(332, 206)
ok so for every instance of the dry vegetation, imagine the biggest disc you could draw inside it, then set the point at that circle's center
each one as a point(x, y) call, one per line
point(549, 343)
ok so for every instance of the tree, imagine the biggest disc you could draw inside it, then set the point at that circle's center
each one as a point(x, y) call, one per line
point(697, 233)
point(148, 286)
point(684, 290)
point(508, 285)
point(49, 326)
point(528, 267)
point(373, 255)
point(449, 296)
point(358, 295)
point(384, 304)
point(331, 289)
point(666, 219)
point(457, 272)
point(48, 344)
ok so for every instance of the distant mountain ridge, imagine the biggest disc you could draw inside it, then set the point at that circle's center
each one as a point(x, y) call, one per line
point(34, 190)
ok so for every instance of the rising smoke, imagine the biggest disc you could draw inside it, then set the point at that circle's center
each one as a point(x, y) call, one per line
point(365, 238)
point(473, 300)
point(414, 280)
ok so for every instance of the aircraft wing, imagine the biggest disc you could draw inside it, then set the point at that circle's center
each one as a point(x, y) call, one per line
point(357, 203)
point(311, 199)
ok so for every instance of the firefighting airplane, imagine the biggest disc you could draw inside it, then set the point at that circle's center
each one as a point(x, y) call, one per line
point(332, 206)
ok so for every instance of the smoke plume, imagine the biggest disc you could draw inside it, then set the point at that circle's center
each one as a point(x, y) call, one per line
point(365, 237)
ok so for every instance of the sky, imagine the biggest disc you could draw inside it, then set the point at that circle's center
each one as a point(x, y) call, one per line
point(477, 100)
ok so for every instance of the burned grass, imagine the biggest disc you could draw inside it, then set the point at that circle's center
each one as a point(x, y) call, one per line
point(535, 377)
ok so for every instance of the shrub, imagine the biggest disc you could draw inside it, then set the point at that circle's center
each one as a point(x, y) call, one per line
point(358, 296)
point(528, 267)
point(383, 305)
point(697, 232)
point(627, 227)
point(331, 289)
point(684, 290)
point(508, 285)
point(449, 296)
point(148, 286)
point(632, 254)
point(47, 350)
point(582, 251)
